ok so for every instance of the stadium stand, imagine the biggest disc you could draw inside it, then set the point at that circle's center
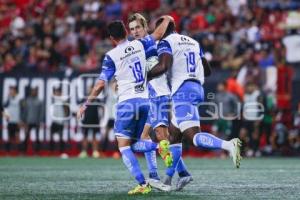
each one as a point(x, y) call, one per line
point(253, 47)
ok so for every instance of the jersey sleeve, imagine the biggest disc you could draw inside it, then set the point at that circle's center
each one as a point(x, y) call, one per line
point(108, 69)
point(164, 47)
point(149, 46)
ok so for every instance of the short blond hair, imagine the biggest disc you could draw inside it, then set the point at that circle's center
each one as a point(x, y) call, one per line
point(140, 18)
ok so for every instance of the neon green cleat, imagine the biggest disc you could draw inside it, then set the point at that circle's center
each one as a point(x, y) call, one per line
point(164, 151)
point(140, 189)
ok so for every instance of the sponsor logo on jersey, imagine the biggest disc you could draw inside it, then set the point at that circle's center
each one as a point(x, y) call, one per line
point(129, 49)
point(185, 41)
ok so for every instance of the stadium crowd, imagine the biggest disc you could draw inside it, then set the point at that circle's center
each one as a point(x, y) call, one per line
point(257, 42)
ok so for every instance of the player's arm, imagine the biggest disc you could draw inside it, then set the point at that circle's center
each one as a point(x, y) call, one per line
point(165, 62)
point(108, 70)
point(205, 63)
point(3, 112)
point(5, 115)
point(165, 58)
point(206, 66)
point(97, 89)
point(161, 29)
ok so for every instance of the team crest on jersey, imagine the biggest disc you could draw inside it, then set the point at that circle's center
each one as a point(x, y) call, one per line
point(129, 49)
point(184, 39)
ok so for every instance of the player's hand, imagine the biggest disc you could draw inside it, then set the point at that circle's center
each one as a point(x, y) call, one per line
point(168, 17)
point(81, 111)
point(6, 116)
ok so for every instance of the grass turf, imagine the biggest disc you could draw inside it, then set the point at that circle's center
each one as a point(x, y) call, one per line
point(54, 178)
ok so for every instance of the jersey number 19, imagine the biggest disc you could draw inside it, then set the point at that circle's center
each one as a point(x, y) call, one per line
point(190, 62)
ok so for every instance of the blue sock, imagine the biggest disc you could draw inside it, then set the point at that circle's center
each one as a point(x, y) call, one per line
point(132, 164)
point(176, 150)
point(181, 168)
point(152, 164)
point(142, 146)
point(207, 140)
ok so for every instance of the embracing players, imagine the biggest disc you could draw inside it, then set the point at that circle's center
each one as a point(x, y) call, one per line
point(158, 118)
point(127, 62)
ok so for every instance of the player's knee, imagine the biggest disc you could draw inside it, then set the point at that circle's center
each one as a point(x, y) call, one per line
point(190, 133)
point(123, 142)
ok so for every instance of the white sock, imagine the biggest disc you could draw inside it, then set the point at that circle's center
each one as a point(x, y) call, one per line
point(226, 145)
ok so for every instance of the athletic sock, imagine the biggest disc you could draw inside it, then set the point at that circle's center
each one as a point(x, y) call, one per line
point(132, 164)
point(210, 141)
point(181, 168)
point(176, 150)
point(142, 146)
point(151, 163)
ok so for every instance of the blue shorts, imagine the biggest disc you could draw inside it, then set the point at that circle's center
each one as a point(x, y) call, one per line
point(185, 104)
point(159, 111)
point(131, 116)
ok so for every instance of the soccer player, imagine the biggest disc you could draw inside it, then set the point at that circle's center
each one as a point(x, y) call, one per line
point(183, 58)
point(158, 117)
point(127, 62)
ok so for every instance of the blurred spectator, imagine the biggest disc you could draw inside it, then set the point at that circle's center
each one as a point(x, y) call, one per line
point(279, 138)
point(234, 87)
point(60, 113)
point(111, 101)
point(250, 72)
point(265, 126)
point(235, 6)
point(2, 115)
point(294, 135)
point(229, 110)
point(91, 7)
point(17, 24)
point(113, 10)
point(33, 116)
point(8, 63)
point(284, 86)
point(251, 121)
point(292, 45)
point(12, 114)
point(90, 125)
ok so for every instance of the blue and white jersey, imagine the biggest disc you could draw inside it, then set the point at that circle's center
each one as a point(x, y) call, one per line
point(187, 64)
point(127, 62)
point(159, 85)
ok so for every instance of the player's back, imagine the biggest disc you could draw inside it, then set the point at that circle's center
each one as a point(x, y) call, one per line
point(187, 64)
point(129, 60)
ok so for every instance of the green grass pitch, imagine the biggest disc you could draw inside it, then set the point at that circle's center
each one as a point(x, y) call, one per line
point(54, 178)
